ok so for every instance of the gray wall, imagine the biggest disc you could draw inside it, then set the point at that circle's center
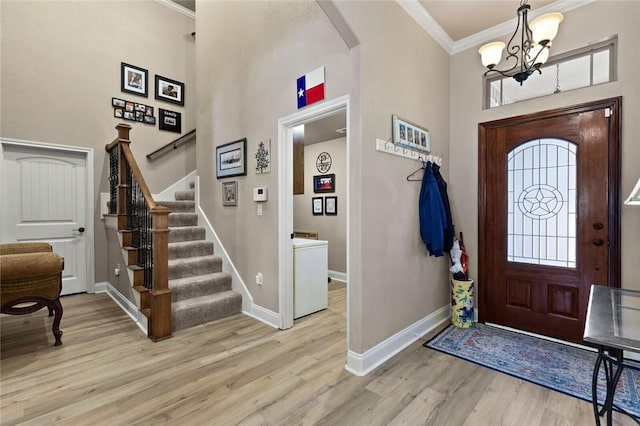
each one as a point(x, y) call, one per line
point(591, 23)
point(60, 67)
point(330, 228)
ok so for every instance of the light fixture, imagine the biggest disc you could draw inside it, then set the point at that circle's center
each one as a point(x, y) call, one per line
point(533, 50)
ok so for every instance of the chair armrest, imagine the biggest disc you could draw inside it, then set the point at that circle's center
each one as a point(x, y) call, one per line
point(18, 248)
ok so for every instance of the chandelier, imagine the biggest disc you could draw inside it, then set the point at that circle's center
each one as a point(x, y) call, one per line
point(533, 50)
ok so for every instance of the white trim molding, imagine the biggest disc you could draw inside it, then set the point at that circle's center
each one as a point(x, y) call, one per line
point(168, 194)
point(265, 315)
point(126, 305)
point(363, 364)
point(426, 21)
point(180, 9)
point(340, 276)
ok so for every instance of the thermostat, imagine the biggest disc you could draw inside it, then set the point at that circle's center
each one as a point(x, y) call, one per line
point(260, 193)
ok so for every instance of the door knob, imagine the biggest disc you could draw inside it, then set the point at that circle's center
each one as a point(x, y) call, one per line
point(81, 230)
point(597, 241)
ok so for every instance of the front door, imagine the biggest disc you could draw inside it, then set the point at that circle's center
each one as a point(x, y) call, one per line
point(44, 198)
point(549, 222)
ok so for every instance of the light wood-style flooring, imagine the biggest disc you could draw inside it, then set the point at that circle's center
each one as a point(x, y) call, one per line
point(240, 371)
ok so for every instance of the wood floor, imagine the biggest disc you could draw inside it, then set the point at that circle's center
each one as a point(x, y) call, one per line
point(240, 371)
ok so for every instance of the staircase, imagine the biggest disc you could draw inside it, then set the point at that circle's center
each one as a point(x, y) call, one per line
point(200, 291)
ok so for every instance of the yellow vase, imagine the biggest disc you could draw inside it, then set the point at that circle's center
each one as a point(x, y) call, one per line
point(462, 303)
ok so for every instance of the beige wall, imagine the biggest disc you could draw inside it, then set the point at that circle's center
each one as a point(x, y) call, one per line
point(591, 23)
point(250, 83)
point(330, 228)
point(60, 67)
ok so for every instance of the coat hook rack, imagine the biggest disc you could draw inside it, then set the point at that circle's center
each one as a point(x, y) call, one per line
point(389, 148)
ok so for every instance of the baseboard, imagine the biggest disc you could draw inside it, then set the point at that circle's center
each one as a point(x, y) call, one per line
point(340, 276)
point(126, 305)
point(363, 364)
point(265, 315)
point(168, 194)
point(100, 287)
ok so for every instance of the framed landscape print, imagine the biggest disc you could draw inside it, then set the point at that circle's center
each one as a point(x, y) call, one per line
point(133, 80)
point(231, 159)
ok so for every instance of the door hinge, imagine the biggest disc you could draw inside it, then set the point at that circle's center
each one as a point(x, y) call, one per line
point(608, 112)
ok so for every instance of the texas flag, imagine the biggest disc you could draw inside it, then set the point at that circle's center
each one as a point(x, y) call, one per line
point(311, 87)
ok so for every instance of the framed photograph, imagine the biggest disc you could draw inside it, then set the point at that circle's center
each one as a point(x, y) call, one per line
point(324, 183)
point(149, 119)
point(117, 102)
point(230, 193)
point(133, 80)
point(148, 111)
point(169, 120)
point(139, 116)
point(231, 159)
point(331, 206)
point(316, 204)
point(129, 116)
point(129, 106)
point(169, 90)
point(118, 112)
point(410, 135)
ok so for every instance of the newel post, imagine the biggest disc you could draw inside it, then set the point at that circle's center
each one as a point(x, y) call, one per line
point(160, 323)
point(123, 139)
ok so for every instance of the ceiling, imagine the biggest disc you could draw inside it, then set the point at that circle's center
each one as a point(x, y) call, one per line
point(325, 129)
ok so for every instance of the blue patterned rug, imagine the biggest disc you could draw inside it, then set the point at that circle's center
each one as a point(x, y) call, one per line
point(559, 367)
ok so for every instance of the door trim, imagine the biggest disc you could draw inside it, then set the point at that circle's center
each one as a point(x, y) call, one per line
point(615, 104)
point(89, 209)
point(285, 202)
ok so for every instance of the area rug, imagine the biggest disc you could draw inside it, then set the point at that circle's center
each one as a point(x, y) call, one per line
point(559, 367)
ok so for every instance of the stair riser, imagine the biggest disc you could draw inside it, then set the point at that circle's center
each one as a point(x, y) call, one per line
point(179, 206)
point(195, 249)
point(190, 269)
point(195, 234)
point(197, 289)
point(188, 195)
point(183, 219)
point(184, 318)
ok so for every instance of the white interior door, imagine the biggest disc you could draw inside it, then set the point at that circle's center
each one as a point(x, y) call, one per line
point(44, 194)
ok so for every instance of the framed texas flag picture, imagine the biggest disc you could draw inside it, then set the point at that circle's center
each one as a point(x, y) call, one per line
point(311, 87)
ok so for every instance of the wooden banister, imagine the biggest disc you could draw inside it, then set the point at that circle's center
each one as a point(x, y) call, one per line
point(159, 295)
point(172, 145)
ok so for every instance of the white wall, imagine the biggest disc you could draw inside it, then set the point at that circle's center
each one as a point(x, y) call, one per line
point(330, 228)
point(591, 23)
point(60, 67)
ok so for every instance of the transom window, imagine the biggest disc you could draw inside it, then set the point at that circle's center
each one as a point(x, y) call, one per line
point(588, 66)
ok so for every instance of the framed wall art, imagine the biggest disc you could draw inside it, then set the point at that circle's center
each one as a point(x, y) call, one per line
point(324, 183)
point(316, 205)
point(230, 193)
point(169, 90)
point(133, 79)
point(410, 135)
point(169, 120)
point(331, 206)
point(231, 159)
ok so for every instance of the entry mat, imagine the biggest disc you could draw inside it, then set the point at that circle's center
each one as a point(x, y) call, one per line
point(556, 366)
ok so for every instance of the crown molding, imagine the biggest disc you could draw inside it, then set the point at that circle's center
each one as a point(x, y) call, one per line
point(426, 21)
point(176, 7)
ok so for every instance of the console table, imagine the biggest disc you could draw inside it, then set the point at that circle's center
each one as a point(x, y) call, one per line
point(613, 326)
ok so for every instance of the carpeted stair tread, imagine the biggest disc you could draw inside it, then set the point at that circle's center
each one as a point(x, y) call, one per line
point(186, 233)
point(182, 249)
point(183, 219)
point(199, 285)
point(188, 267)
point(189, 194)
point(198, 310)
point(179, 206)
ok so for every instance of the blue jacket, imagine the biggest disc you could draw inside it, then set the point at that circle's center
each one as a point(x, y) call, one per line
point(433, 218)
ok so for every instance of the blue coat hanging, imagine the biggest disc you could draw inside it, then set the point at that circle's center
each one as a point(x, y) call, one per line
point(433, 218)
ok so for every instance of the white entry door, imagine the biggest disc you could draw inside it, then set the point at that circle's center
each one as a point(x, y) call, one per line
point(44, 198)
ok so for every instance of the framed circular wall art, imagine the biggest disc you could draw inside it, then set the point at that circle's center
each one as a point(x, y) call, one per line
point(323, 162)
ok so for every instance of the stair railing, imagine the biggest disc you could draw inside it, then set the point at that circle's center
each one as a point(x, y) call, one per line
point(145, 227)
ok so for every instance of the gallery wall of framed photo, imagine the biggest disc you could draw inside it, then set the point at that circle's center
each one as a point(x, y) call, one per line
point(134, 80)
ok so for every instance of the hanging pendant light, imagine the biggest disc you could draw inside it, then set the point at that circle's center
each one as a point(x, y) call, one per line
point(533, 50)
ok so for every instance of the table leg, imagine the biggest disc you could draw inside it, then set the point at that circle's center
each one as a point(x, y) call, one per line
point(611, 381)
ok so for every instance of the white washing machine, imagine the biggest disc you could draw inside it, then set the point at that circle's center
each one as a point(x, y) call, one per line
point(310, 276)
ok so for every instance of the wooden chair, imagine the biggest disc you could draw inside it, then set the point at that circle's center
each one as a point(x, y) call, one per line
point(31, 275)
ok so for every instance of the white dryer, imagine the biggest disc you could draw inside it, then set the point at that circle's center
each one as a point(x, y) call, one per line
point(310, 276)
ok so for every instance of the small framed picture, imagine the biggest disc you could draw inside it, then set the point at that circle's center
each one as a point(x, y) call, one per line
point(231, 159)
point(230, 193)
point(129, 115)
point(129, 106)
point(148, 111)
point(169, 90)
point(149, 119)
point(133, 80)
point(410, 135)
point(118, 112)
point(331, 206)
point(324, 183)
point(169, 120)
point(139, 116)
point(117, 102)
point(140, 107)
point(317, 206)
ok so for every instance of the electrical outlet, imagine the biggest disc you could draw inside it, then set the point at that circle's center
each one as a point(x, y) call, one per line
point(259, 278)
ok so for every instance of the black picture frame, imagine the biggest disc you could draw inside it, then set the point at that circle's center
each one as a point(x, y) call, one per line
point(331, 206)
point(169, 90)
point(231, 159)
point(317, 206)
point(170, 121)
point(324, 183)
point(134, 80)
point(118, 103)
